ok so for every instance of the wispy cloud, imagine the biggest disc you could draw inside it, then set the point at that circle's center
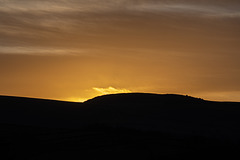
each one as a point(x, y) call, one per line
point(191, 9)
point(83, 25)
point(41, 51)
point(111, 90)
point(61, 5)
point(181, 6)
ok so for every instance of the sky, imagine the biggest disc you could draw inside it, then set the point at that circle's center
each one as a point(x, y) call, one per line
point(77, 49)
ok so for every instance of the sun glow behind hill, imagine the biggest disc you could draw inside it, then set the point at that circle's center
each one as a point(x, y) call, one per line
point(111, 90)
point(98, 92)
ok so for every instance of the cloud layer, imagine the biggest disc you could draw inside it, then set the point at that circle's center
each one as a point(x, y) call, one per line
point(83, 24)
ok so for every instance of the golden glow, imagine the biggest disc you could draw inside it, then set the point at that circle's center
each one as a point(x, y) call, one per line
point(75, 99)
point(111, 90)
point(98, 92)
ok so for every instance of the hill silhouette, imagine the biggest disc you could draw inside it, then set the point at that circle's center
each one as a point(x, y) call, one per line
point(137, 98)
point(129, 126)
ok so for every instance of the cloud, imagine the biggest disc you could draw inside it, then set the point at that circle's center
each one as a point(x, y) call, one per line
point(111, 90)
point(43, 51)
point(61, 5)
point(198, 10)
point(94, 24)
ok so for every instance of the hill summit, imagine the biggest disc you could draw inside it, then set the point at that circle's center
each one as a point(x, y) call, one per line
point(136, 98)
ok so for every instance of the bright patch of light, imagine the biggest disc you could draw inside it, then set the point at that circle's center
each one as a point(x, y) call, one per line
point(111, 90)
point(75, 99)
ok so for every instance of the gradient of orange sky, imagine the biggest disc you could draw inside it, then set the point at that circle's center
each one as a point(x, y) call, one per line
point(75, 50)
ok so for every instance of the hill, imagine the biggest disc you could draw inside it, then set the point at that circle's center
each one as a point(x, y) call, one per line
point(133, 125)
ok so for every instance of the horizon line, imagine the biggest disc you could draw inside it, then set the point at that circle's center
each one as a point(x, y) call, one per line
point(62, 100)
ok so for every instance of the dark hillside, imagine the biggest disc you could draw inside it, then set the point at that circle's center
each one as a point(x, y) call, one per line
point(39, 112)
point(143, 98)
point(168, 113)
point(121, 126)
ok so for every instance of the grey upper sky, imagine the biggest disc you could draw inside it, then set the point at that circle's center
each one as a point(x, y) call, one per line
point(36, 23)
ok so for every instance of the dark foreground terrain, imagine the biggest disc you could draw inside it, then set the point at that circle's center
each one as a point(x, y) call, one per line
point(121, 126)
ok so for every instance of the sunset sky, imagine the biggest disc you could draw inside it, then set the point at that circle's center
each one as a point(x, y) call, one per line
point(77, 49)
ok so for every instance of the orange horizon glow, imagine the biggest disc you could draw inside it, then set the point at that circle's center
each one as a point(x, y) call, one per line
point(96, 92)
